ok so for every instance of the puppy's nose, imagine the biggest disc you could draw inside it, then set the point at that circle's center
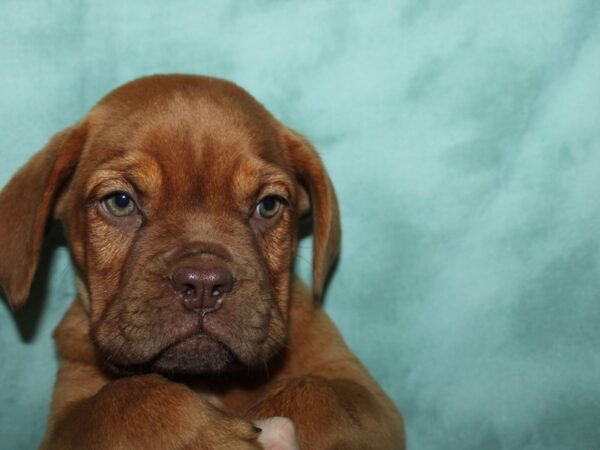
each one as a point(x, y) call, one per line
point(202, 289)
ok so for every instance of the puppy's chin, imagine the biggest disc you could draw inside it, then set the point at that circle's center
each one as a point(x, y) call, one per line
point(200, 354)
point(196, 355)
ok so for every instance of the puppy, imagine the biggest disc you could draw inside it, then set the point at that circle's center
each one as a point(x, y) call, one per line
point(180, 197)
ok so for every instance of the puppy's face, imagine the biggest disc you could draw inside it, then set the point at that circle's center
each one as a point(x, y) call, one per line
point(180, 198)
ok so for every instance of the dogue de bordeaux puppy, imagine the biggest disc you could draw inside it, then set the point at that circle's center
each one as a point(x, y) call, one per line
point(180, 197)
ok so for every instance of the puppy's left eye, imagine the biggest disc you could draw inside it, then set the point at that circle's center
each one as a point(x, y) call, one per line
point(120, 204)
point(268, 207)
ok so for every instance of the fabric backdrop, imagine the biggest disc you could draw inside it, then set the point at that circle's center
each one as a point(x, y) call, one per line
point(463, 139)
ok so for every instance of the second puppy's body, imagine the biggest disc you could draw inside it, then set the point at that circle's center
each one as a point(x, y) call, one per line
point(180, 197)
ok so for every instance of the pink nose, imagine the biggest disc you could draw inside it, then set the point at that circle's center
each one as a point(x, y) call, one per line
point(202, 288)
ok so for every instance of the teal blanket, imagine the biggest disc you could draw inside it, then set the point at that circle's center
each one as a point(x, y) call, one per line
point(463, 138)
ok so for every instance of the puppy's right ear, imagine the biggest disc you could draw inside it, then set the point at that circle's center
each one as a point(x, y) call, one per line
point(26, 206)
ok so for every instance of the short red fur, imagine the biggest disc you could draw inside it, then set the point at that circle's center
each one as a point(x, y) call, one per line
point(150, 361)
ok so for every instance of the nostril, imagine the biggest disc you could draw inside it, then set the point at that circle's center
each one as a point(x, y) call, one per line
point(202, 288)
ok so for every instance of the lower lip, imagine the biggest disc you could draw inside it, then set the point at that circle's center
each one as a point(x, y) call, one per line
point(198, 354)
point(196, 342)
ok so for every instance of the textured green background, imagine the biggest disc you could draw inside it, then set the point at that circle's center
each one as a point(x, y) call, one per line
point(464, 141)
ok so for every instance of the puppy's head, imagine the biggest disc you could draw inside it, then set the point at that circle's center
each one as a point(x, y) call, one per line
point(180, 197)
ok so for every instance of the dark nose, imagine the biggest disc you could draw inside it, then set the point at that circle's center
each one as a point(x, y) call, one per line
point(202, 288)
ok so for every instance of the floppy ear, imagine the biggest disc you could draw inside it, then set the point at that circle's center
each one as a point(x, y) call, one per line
point(324, 206)
point(26, 206)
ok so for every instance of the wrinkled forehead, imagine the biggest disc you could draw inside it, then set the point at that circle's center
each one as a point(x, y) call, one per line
point(184, 145)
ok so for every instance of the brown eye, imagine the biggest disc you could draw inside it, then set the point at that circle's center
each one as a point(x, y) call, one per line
point(120, 204)
point(268, 207)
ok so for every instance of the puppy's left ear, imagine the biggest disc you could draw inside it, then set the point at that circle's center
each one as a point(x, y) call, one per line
point(26, 206)
point(323, 205)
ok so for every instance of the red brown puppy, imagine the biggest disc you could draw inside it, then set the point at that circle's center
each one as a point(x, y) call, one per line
point(180, 197)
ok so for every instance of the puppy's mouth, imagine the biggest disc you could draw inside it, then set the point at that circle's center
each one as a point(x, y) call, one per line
point(193, 355)
point(159, 336)
point(197, 354)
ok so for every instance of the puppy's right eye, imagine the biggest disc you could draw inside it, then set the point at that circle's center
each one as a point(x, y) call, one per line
point(120, 204)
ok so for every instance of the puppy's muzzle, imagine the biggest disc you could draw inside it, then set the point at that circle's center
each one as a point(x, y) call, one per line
point(202, 287)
